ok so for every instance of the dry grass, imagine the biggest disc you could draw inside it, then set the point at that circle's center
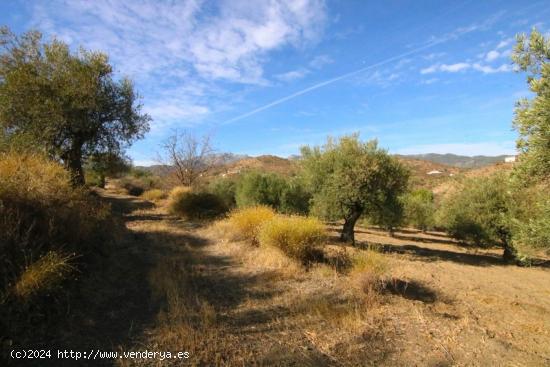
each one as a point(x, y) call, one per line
point(247, 222)
point(154, 195)
point(44, 274)
point(298, 237)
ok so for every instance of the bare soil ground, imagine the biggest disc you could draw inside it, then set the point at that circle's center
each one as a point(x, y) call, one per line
point(175, 286)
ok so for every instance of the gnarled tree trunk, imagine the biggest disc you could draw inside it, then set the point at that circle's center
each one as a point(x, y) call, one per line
point(73, 162)
point(348, 231)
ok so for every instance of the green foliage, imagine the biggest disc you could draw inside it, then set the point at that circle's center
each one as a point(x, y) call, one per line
point(298, 237)
point(258, 188)
point(532, 117)
point(66, 103)
point(350, 178)
point(478, 212)
point(225, 189)
point(295, 197)
point(102, 165)
point(420, 209)
point(531, 223)
point(196, 205)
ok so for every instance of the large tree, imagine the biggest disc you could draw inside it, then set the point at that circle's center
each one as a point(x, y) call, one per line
point(66, 103)
point(532, 120)
point(350, 178)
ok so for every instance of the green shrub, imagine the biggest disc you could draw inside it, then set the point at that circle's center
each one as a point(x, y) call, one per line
point(298, 237)
point(295, 198)
point(531, 223)
point(196, 205)
point(224, 188)
point(420, 209)
point(246, 222)
point(478, 212)
point(256, 188)
point(136, 186)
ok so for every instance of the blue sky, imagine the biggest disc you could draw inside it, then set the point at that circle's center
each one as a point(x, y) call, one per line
point(265, 77)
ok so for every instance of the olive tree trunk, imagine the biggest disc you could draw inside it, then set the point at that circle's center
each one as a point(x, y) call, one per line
point(73, 163)
point(348, 231)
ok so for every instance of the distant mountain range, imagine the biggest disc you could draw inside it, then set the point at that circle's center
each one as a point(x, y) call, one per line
point(460, 161)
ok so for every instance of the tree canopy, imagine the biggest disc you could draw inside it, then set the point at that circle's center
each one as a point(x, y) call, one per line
point(350, 178)
point(66, 103)
point(532, 117)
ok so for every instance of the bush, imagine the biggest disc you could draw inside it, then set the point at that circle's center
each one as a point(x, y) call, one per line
point(479, 212)
point(137, 186)
point(41, 212)
point(45, 224)
point(295, 198)
point(298, 237)
point(195, 205)
point(420, 209)
point(531, 224)
point(256, 188)
point(154, 195)
point(247, 222)
point(224, 188)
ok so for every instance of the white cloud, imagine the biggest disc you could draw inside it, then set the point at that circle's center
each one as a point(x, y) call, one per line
point(492, 55)
point(486, 69)
point(453, 68)
point(430, 81)
point(148, 36)
point(505, 43)
point(461, 66)
point(191, 43)
point(429, 69)
point(321, 60)
point(292, 75)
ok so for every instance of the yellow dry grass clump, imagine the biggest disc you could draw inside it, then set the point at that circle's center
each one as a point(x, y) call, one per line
point(369, 273)
point(43, 274)
point(154, 195)
point(297, 237)
point(246, 222)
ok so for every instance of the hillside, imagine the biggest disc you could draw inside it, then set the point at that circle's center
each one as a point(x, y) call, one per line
point(424, 173)
point(266, 163)
point(460, 161)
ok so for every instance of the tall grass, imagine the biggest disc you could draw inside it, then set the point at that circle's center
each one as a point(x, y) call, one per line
point(298, 237)
point(246, 223)
point(42, 220)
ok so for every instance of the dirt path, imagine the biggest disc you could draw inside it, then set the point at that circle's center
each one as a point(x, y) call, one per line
point(169, 285)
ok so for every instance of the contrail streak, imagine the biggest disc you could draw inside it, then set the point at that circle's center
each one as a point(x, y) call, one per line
point(452, 35)
point(333, 80)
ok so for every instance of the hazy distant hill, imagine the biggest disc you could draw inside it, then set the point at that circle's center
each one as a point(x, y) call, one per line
point(459, 160)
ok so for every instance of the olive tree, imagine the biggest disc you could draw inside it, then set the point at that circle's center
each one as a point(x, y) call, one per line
point(479, 212)
point(350, 178)
point(532, 117)
point(65, 103)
